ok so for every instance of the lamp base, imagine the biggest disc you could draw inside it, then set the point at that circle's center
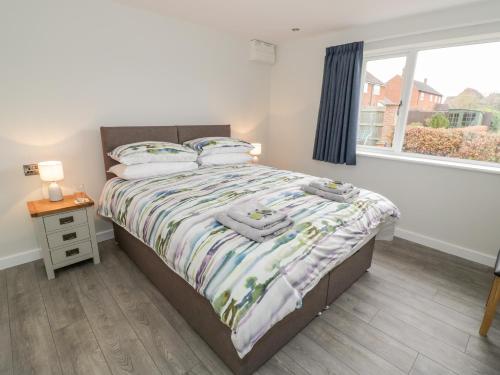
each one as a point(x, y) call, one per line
point(55, 192)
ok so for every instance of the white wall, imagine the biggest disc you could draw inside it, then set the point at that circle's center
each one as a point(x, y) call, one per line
point(455, 210)
point(70, 66)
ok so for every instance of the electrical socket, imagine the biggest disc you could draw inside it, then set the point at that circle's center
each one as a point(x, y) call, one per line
point(30, 169)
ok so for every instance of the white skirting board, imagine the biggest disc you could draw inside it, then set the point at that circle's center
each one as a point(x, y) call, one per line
point(446, 247)
point(35, 254)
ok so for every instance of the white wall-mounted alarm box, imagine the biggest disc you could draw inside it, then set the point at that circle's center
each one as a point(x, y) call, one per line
point(262, 52)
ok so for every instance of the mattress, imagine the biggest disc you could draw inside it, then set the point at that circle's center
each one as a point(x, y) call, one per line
point(250, 285)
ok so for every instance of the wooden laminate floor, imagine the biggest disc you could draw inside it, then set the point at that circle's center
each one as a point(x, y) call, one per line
point(417, 311)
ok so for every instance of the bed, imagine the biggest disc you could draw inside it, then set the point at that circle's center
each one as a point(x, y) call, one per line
point(246, 300)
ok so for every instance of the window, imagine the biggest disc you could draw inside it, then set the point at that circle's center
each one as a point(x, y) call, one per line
point(453, 118)
point(469, 119)
point(365, 88)
point(378, 116)
point(460, 118)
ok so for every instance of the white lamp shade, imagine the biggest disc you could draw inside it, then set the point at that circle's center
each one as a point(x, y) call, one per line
point(257, 149)
point(51, 171)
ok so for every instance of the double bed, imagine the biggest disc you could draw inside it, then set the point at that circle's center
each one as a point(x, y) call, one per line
point(245, 299)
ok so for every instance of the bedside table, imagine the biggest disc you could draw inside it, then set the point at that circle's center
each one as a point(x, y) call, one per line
point(65, 231)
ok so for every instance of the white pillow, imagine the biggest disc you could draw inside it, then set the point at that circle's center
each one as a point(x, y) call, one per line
point(148, 170)
point(222, 159)
point(152, 151)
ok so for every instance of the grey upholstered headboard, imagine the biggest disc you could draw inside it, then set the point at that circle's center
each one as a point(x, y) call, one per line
point(114, 136)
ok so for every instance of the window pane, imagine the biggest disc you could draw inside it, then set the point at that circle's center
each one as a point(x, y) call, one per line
point(380, 101)
point(463, 120)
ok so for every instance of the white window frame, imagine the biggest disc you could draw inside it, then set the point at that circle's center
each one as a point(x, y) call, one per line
point(411, 53)
point(376, 89)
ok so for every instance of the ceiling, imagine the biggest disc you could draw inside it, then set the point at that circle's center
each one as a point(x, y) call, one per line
point(272, 20)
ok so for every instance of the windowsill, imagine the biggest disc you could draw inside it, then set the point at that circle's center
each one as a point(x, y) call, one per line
point(431, 160)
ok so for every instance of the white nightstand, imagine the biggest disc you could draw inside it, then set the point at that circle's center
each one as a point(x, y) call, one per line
point(65, 232)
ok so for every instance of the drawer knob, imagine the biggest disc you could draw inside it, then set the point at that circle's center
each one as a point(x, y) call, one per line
point(69, 236)
point(72, 252)
point(66, 220)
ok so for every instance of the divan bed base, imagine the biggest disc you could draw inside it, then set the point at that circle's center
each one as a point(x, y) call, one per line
point(199, 314)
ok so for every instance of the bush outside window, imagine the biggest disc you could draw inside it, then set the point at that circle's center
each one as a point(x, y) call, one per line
point(442, 102)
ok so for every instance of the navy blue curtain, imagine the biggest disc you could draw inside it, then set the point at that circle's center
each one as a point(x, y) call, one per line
point(339, 107)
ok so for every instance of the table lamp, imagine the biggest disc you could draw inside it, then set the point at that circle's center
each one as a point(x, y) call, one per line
point(256, 151)
point(52, 171)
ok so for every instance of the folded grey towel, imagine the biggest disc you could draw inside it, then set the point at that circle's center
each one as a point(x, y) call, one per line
point(255, 215)
point(344, 198)
point(252, 233)
point(331, 186)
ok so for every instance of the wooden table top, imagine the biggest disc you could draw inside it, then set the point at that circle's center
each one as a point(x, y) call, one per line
point(45, 207)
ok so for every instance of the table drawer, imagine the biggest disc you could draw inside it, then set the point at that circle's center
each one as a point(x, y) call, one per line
point(67, 253)
point(65, 220)
point(68, 236)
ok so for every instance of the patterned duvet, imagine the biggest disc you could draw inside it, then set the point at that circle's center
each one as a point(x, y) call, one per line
point(250, 285)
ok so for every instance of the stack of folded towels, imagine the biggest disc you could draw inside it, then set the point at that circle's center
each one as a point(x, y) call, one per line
point(255, 221)
point(333, 190)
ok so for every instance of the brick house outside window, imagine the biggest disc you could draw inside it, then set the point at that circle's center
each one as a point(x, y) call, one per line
point(381, 101)
point(423, 97)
